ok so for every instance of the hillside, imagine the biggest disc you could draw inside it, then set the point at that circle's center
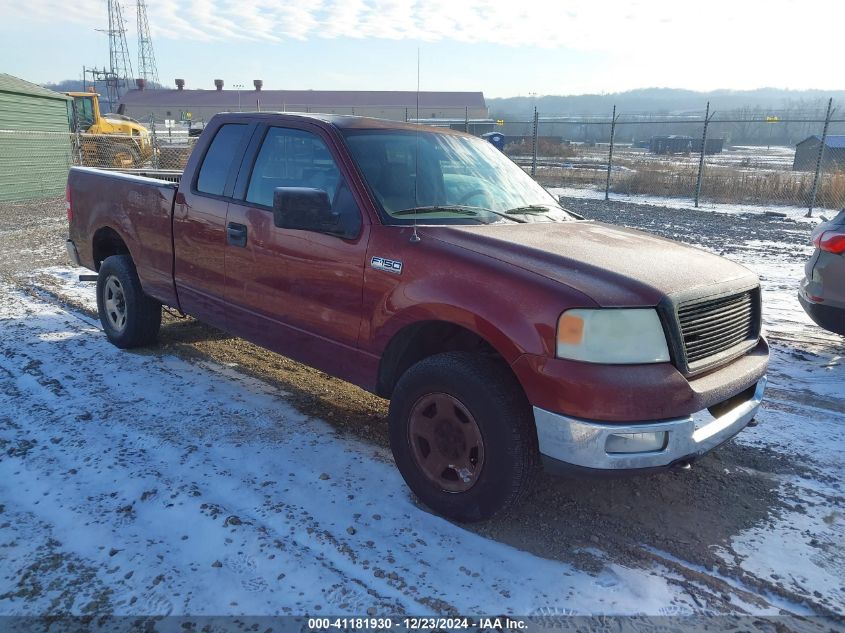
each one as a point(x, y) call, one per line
point(666, 101)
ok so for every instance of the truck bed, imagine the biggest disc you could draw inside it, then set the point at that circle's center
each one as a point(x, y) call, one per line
point(138, 209)
point(166, 175)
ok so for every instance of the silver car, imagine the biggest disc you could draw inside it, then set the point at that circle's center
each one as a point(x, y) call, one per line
point(822, 291)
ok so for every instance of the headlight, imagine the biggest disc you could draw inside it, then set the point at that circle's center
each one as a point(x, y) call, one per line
point(612, 336)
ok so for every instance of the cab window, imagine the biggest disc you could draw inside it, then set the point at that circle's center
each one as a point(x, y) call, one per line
point(84, 107)
point(218, 159)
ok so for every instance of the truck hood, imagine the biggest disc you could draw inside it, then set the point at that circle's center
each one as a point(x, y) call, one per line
point(613, 265)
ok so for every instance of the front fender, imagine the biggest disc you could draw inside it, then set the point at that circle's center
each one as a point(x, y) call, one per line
point(513, 309)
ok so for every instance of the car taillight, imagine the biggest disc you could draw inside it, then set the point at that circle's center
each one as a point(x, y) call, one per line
point(68, 208)
point(830, 241)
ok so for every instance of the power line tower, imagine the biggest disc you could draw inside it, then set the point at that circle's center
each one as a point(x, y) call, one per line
point(120, 64)
point(147, 69)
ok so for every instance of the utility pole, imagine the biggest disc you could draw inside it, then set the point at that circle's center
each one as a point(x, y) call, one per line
point(238, 88)
point(147, 68)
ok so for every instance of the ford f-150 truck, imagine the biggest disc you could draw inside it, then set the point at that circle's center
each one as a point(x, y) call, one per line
point(424, 266)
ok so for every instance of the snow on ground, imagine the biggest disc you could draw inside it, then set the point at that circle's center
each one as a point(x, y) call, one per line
point(139, 483)
point(795, 213)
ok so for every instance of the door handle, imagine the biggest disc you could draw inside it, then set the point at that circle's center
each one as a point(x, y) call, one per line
point(236, 234)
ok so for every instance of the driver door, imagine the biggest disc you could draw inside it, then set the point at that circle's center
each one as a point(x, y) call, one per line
point(297, 292)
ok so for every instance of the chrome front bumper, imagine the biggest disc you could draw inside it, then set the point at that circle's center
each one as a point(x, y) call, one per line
point(584, 443)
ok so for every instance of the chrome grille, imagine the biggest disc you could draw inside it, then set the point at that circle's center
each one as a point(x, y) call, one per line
point(715, 327)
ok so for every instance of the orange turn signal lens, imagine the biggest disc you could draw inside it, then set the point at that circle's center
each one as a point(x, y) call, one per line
point(570, 329)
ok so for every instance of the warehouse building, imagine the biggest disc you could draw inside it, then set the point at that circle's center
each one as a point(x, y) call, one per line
point(200, 105)
point(35, 142)
point(807, 153)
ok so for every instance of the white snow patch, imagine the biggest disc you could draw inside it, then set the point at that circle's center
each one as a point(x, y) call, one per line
point(190, 489)
point(686, 204)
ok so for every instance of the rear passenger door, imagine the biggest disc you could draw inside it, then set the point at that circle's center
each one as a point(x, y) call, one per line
point(199, 223)
point(297, 292)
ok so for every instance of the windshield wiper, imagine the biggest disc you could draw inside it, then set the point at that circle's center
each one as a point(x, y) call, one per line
point(456, 208)
point(437, 209)
point(531, 209)
point(537, 209)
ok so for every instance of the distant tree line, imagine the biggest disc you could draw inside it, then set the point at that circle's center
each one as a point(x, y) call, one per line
point(682, 111)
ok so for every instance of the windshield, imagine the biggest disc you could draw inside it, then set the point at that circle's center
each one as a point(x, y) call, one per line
point(447, 179)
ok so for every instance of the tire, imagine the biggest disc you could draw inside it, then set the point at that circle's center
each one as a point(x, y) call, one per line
point(467, 414)
point(122, 153)
point(129, 317)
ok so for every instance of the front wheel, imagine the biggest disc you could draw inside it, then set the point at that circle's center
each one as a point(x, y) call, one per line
point(129, 317)
point(463, 435)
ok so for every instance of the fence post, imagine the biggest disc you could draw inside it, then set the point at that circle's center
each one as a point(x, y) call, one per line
point(466, 119)
point(78, 138)
point(156, 148)
point(701, 156)
point(610, 154)
point(534, 144)
point(819, 159)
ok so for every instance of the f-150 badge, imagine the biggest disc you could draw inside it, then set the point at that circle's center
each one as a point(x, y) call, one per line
point(388, 265)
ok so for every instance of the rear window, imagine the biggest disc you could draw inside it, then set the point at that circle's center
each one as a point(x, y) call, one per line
point(218, 160)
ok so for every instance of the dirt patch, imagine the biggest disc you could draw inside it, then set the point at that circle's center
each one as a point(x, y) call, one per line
point(32, 235)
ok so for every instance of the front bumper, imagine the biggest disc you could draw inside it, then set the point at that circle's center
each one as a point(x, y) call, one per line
point(584, 443)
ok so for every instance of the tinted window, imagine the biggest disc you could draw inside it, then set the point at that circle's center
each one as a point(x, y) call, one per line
point(218, 160)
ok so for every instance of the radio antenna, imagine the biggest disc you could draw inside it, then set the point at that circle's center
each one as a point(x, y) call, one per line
point(415, 238)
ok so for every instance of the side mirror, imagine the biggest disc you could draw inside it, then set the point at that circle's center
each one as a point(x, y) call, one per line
point(305, 209)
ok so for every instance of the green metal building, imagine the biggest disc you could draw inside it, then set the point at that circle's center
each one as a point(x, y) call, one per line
point(35, 140)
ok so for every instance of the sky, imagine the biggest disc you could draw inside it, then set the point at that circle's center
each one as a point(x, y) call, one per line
point(501, 47)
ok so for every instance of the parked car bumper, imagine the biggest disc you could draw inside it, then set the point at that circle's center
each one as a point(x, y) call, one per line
point(829, 317)
point(567, 442)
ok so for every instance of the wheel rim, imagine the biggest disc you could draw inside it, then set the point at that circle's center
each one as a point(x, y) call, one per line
point(114, 301)
point(446, 442)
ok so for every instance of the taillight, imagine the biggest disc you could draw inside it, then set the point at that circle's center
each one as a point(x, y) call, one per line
point(67, 205)
point(830, 241)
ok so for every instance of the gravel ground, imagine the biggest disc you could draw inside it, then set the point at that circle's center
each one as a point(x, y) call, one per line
point(686, 521)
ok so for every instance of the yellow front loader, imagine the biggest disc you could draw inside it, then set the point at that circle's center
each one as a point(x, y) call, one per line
point(108, 140)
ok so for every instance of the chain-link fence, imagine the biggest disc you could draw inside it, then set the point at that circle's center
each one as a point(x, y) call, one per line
point(793, 158)
point(784, 159)
point(35, 164)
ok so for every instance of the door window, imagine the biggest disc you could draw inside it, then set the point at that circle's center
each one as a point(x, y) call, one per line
point(295, 158)
point(291, 158)
point(218, 160)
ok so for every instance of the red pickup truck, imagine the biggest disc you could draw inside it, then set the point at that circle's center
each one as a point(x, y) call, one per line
point(424, 266)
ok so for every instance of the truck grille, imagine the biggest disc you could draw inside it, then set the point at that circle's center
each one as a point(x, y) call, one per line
point(717, 327)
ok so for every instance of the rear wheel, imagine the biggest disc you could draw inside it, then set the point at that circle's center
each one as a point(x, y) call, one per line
point(129, 317)
point(463, 435)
